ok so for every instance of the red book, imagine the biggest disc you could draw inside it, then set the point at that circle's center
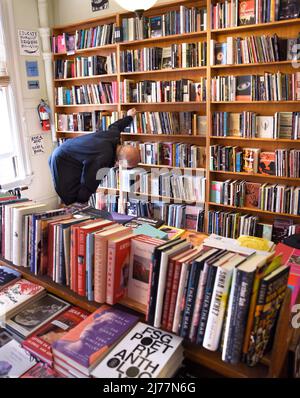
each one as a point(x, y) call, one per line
point(118, 258)
point(39, 344)
point(175, 285)
point(167, 298)
point(81, 258)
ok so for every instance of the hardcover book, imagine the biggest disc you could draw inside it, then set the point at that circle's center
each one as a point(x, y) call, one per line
point(156, 26)
point(8, 276)
point(252, 195)
point(14, 361)
point(246, 12)
point(39, 344)
point(84, 346)
point(265, 126)
point(15, 296)
point(127, 359)
point(244, 88)
point(36, 314)
point(267, 163)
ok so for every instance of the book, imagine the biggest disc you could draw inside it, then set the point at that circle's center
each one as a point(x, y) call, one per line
point(244, 87)
point(155, 26)
point(8, 276)
point(41, 371)
point(173, 233)
point(265, 126)
point(289, 9)
point(150, 231)
point(40, 342)
point(252, 195)
point(267, 163)
point(35, 314)
point(5, 337)
point(14, 297)
point(270, 297)
point(127, 359)
point(85, 345)
point(246, 12)
point(15, 361)
point(141, 259)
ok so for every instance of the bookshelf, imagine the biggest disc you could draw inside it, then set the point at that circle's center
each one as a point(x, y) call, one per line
point(271, 365)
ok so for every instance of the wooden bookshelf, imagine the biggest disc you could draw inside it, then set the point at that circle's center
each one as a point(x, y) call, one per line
point(271, 364)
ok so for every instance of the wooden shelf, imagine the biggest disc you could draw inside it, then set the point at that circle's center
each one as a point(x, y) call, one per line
point(257, 64)
point(165, 71)
point(158, 166)
point(155, 40)
point(264, 26)
point(98, 77)
point(87, 50)
point(263, 176)
point(254, 210)
point(213, 137)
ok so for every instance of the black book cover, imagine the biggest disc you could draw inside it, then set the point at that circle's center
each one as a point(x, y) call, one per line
point(289, 9)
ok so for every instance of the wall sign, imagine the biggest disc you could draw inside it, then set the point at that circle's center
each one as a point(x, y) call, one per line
point(33, 84)
point(37, 145)
point(32, 69)
point(29, 43)
point(98, 5)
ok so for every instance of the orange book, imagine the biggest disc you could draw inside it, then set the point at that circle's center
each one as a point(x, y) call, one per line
point(100, 263)
point(118, 257)
point(81, 258)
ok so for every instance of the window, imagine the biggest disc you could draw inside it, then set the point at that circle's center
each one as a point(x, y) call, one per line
point(12, 168)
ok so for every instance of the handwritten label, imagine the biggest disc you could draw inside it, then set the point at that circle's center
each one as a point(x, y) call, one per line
point(29, 43)
point(37, 145)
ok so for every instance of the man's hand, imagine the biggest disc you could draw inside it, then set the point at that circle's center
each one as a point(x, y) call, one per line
point(131, 112)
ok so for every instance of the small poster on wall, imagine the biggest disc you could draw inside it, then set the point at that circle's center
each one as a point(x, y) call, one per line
point(98, 5)
point(29, 43)
point(37, 145)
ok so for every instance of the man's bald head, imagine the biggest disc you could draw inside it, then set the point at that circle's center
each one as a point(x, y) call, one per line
point(128, 155)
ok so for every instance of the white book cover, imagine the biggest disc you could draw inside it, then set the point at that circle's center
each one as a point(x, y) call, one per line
point(18, 227)
point(14, 361)
point(145, 352)
point(162, 279)
point(219, 302)
point(265, 126)
point(17, 294)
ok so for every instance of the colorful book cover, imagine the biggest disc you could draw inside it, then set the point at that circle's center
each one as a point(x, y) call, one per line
point(246, 12)
point(243, 88)
point(85, 345)
point(267, 163)
point(8, 276)
point(252, 195)
point(173, 233)
point(36, 314)
point(17, 294)
point(127, 359)
point(156, 26)
point(14, 361)
point(39, 344)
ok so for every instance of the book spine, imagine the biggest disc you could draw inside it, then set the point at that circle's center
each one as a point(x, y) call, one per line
point(206, 303)
point(174, 291)
point(111, 260)
point(167, 299)
point(183, 277)
point(100, 270)
point(81, 263)
point(217, 309)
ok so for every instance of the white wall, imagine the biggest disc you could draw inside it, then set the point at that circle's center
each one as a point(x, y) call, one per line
point(26, 17)
point(70, 11)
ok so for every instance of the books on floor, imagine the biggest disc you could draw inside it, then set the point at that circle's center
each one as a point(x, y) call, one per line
point(81, 349)
point(145, 352)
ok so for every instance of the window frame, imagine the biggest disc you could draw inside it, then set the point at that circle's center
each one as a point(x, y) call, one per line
point(15, 98)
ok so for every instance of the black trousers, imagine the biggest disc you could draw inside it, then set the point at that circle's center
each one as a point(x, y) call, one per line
point(67, 178)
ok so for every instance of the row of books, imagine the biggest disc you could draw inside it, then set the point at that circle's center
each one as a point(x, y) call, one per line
point(192, 290)
point(232, 224)
point(249, 12)
point(281, 163)
point(267, 87)
point(170, 184)
point(85, 66)
point(184, 20)
point(268, 197)
point(283, 125)
point(169, 123)
point(84, 38)
point(174, 215)
point(84, 121)
point(171, 154)
point(150, 91)
point(101, 93)
point(185, 55)
point(46, 337)
point(253, 49)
